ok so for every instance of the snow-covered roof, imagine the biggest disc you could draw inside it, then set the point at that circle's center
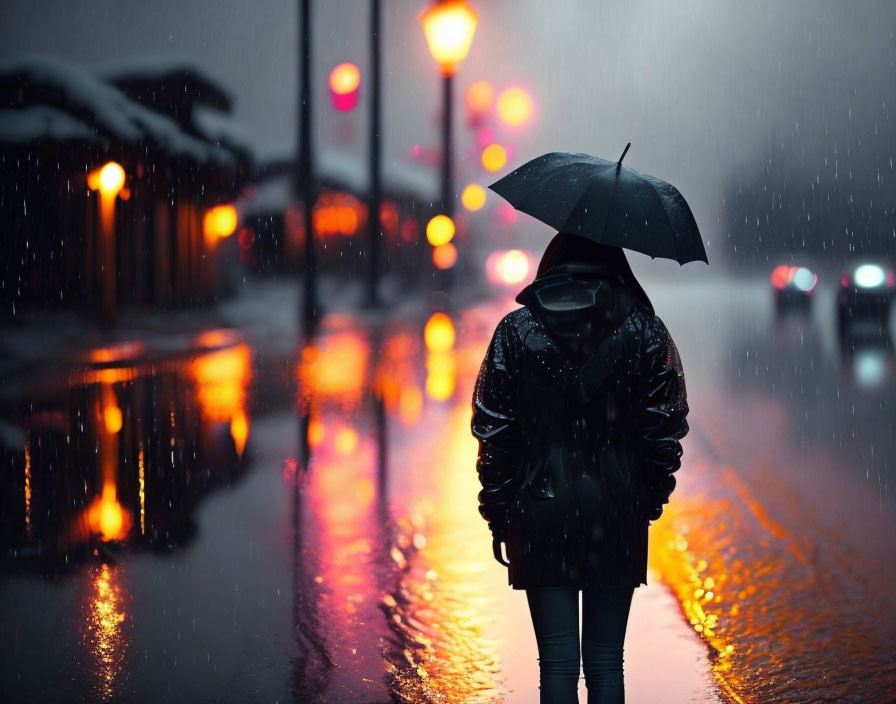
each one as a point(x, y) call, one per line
point(40, 122)
point(45, 81)
point(222, 129)
point(142, 76)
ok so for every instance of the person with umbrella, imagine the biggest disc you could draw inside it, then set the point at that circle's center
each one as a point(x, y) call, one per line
point(579, 408)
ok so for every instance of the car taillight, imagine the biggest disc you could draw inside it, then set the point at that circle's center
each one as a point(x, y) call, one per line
point(781, 276)
point(844, 280)
point(891, 278)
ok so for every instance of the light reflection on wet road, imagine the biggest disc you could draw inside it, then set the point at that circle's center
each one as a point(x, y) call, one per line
point(781, 541)
point(346, 560)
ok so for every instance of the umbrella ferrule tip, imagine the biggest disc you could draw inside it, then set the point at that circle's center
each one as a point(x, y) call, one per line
point(624, 152)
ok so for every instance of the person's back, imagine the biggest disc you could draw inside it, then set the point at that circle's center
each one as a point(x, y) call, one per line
point(579, 407)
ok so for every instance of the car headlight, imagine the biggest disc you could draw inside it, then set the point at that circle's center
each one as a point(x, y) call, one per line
point(869, 276)
point(804, 279)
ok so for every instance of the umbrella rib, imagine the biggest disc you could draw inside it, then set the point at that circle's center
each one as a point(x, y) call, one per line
point(666, 215)
point(653, 180)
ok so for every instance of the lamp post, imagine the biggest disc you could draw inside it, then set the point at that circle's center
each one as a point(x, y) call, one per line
point(304, 175)
point(374, 198)
point(449, 26)
point(108, 180)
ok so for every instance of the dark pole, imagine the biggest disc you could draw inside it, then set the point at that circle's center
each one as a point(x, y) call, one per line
point(446, 276)
point(304, 187)
point(447, 186)
point(375, 196)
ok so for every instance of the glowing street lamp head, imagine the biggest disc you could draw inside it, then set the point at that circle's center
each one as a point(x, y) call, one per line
point(449, 27)
point(345, 77)
point(219, 222)
point(108, 179)
point(345, 82)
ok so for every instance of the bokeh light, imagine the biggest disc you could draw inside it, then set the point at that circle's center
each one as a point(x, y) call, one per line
point(473, 197)
point(515, 107)
point(508, 267)
point(219, 222)
point(439, 230)
point(345, 82)
point(480, 97)
point(444, 256)
point(494, 157)
point(109, 178)
point(438, 332)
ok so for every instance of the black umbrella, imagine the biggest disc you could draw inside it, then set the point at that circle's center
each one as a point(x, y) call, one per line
point(605, 202)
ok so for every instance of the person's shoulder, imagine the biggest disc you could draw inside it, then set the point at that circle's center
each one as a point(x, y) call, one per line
point(516, 319)
point(511, 330)
point(659, 344)
point(656, 326)
point(640, 321)
point(651, 329)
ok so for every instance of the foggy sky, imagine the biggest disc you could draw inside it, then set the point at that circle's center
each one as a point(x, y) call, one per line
point(709, 93)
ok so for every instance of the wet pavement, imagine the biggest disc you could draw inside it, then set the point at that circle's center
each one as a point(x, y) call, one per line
point(788, 516)
point(252, 516)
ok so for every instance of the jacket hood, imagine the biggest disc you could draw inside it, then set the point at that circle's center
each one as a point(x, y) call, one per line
point(580, 304)
point(582, 309)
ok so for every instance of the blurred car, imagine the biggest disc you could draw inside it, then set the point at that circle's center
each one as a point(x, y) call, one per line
point(793, 286)
point(865, 295)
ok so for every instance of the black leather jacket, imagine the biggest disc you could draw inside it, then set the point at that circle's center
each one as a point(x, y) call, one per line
point(578, 407)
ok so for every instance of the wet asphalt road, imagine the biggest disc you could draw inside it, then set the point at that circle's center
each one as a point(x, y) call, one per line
point(291, 520)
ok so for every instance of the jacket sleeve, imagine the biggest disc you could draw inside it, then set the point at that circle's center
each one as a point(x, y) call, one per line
point(661, 415)
point(495, 424)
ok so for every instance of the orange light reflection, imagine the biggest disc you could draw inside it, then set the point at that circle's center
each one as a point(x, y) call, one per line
point(343, 524)
point(334, 369)
point(442, 602)
point(222, 378)
point(28, 526)
point(104, 634)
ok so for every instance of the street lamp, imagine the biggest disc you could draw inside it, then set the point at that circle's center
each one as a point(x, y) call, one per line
point(449, 26)
point(345, 84)
point(108, 180)
point(219, 222)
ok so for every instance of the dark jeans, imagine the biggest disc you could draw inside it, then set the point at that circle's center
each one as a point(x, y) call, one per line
point(555, 616)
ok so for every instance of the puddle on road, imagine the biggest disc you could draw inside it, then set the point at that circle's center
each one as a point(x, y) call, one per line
point(112, 459)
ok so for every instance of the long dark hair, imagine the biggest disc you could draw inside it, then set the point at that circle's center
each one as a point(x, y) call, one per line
point(566, 247)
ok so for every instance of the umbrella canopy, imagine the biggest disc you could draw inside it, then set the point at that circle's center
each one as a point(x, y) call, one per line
point(605, 202)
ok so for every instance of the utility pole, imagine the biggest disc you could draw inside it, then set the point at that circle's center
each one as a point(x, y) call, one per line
point(374, 225)
point(447, 153)
point(304, 184)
